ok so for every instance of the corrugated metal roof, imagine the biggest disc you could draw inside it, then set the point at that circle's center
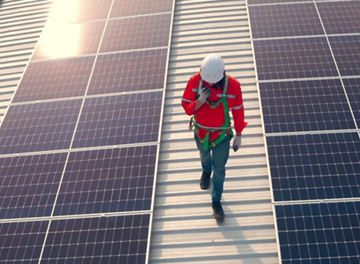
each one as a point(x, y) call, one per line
point(184, 230)
point(21, 23)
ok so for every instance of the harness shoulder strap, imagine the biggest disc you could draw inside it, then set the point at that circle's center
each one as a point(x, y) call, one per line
point(224, 127)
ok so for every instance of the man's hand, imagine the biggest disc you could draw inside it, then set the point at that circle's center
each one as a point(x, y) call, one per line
point(204, 94)
point(237, 142)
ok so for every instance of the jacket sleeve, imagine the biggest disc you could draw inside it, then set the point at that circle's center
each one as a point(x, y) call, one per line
point(189, 96)
point(238, 112)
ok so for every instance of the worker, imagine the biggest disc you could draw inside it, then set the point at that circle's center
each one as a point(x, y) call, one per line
point(208, 97)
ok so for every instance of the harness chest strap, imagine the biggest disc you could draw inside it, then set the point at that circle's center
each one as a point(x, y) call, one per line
point(206, 142)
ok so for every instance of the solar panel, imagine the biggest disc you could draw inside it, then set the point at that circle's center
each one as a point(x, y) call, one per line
point(28, 185)
point(136, 33)
point(284, 20)
point(113, 180)
point(122, 119)
point(250, 2)
point(319, 232)
point(55, 79)
point(314, 166)
point(352, 87)
point(137, 7)
point(130, 71)
point(69, 40)
point(67, 151)
point(21, 242)
point(340, 17)
point(39, 126)
point(305, 106)
point(347, 54)
point(293, 58)
point(120, 239)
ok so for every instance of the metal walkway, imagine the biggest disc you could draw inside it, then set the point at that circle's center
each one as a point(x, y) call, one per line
point(184, 230)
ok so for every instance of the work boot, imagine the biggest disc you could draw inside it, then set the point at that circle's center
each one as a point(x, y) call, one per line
point(218, 211)
point(205, 180)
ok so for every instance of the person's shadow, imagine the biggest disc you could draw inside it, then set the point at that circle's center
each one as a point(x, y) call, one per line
point(238, 235)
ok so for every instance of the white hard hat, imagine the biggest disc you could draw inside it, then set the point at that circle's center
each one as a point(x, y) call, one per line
point(212, 68)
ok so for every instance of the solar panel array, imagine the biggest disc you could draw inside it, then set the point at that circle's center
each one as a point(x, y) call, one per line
point(80, 140)
point(308, 65)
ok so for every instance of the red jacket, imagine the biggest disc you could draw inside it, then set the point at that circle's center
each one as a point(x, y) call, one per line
point(210, 117)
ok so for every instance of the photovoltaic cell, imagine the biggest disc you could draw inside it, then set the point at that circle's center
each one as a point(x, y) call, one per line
point(112, 180)
point(122, 119)
point(136, 33)
point(28, 185)
point(352, 87)
point(121, 239)
point(318, 166)
point(347, 54)
point(319, 232)
point(55, 79)
point(40, 126)
point(284, 20)
point(293, 58)
point(340, 17)
point(305, 106)
point(250, 2)
point(80, 39)
point(130, 71)
point(137, 7)
point(21, 242)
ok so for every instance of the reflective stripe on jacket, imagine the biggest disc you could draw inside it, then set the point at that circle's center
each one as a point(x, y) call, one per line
point(214, 117)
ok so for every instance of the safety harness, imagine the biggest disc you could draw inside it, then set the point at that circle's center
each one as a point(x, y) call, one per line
point(206, 142)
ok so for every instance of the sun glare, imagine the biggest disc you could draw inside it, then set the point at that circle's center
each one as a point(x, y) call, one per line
point(60, 38)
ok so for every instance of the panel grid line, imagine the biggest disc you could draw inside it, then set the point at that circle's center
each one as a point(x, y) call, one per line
point(307, 36)
point(263, 132)
point(332, 200)
point(73, 217)
point(102, 53)
point(88, 96)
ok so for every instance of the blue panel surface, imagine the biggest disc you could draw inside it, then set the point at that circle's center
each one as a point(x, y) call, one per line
point(137, 7)
point(130, 71)
point(121, 239)
point(340, 17)
point(110, 180)
point(122, 119)
point(352, 87)
point(293, 58)
point(319, 233)
point(136, 33)
point(347, 54)
point(21, 242)
point(55, 79)
point(29, 184)
point(37, 127)
point(305, 106)
point(285, 20)
point(318, 166)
